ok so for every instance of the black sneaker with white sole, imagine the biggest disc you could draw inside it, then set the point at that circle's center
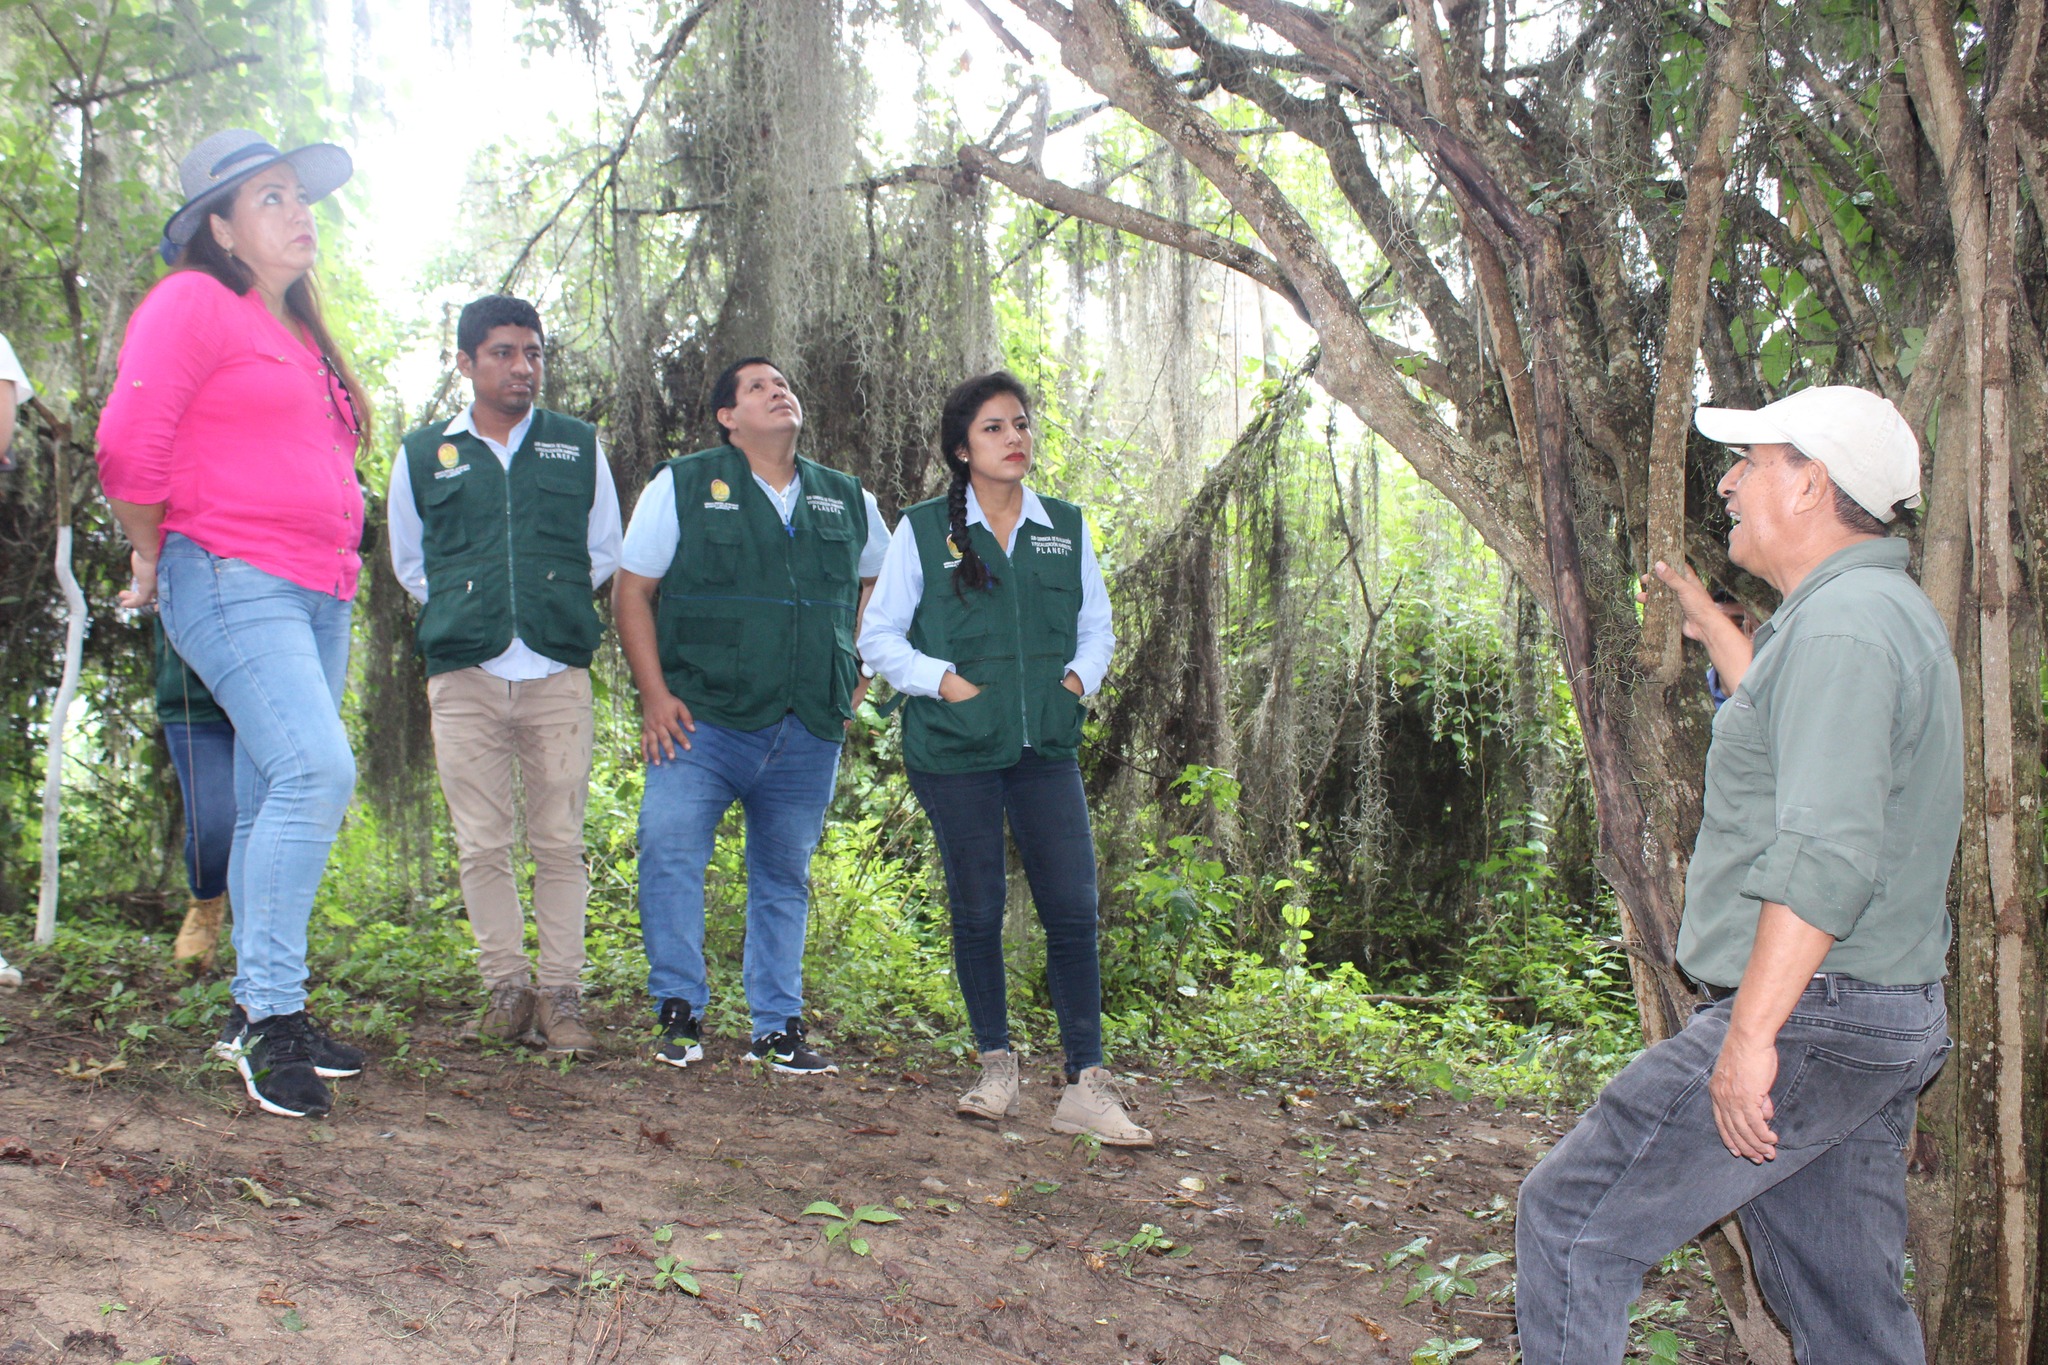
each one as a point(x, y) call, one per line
point(332, 1059)
point(787, 1052)
point(229, 1044)
point(682, 1034)
point(276, 1061)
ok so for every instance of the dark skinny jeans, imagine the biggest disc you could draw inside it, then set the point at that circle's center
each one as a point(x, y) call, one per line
point(1048, 819)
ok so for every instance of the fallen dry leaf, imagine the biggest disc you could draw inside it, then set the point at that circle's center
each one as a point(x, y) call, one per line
point(523, 1287)
point(1379, 1333)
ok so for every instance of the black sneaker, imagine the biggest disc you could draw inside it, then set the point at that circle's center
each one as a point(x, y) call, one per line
point(786, 1051)
point(331, 1059)
point(681, 1034)
point(229, 1045)
point(276, 1061)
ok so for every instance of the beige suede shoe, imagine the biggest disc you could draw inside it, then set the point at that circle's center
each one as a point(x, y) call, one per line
point(994, 1096)
point(508, 1017)
point(1091, 1104)
point(199, 937)
point(560, 1021)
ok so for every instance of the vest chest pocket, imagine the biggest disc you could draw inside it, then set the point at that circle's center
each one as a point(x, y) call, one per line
point(837, 559)
point(718, 547)
point(1059, 608)
point(565, 494)
point(444, 519)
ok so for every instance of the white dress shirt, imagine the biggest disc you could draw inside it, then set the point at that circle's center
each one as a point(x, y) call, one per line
point(519, 662)
point(654, 534)
point(885, 630)
point(10, 369)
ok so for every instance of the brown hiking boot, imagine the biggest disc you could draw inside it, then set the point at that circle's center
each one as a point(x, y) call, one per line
point(508, 1017)
point(1091, 1104)
point(199, 937)
point(560, 1021)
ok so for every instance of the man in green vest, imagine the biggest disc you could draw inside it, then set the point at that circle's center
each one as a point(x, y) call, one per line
point(744, 573)
point(504, 521)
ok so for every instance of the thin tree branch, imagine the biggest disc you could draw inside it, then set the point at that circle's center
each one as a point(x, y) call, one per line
point(83, 97)
point(1096, 208)
point(1010, 40)
point(1663, 640)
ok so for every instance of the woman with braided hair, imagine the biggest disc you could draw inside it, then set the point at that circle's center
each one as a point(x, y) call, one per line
point(991, 616)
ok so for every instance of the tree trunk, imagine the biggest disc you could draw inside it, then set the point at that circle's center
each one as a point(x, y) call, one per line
point(1560, 490)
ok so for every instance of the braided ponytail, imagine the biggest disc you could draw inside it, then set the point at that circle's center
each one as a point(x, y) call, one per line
point(971, 572)
point(955, 417)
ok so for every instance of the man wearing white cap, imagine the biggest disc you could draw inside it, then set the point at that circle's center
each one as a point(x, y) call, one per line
point(1815, 924)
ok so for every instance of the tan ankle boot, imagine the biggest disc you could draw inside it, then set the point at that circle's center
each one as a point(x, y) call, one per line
point(994, 1096)
point(561, 1021)
point(199, 937)
point(1091, 1104)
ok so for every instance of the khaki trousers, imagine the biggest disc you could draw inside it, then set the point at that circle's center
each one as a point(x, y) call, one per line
point(481, 723)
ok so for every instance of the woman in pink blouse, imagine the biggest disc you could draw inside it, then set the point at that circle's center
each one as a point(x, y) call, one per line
point(227, 450)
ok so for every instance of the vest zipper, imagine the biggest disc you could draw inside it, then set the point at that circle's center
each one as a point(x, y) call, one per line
point(511, 569)
point(796, 595)
point(1017, 636)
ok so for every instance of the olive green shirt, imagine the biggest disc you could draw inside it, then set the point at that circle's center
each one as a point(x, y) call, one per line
point(1835, 780)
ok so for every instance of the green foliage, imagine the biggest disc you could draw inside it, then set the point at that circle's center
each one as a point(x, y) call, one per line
point(1650, 1342)
point(1444, 1350)
point(673, 1273)
point(1455, 1277)
point(1149, 1240)
point(842, 1227)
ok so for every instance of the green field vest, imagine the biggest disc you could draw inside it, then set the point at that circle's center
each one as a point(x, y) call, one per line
point(756, 618)
point(181, 699)
point(507, 550)
point(1013, 640)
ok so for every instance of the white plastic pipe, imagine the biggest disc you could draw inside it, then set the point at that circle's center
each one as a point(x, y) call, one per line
point(60, 711)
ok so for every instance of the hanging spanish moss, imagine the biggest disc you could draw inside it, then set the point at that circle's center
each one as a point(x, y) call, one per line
point(395, 744)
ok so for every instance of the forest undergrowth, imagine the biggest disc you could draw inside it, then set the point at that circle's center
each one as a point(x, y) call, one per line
point(1532, 1003)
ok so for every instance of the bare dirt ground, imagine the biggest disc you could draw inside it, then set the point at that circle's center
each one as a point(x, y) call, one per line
point(501, 1209)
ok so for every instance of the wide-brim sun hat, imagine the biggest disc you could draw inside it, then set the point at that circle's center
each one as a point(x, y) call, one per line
point(1868, 447)
point(214, 169)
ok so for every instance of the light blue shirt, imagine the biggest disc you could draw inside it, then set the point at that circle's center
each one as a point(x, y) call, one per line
point(654, 534)
point(518, 663)
point(885, 630)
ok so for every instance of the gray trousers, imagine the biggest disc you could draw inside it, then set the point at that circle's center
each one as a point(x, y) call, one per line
point(1645, 1172)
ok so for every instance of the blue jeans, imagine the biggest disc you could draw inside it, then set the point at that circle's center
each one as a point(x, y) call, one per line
point(1645, 1172)
point(204, 756)
point(275, 656)
point(1048, 818)
point(782, 776)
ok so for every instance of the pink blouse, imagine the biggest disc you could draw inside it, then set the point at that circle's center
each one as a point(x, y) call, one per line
point(236, 425)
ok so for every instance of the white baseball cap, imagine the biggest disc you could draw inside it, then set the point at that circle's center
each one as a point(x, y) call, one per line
point(1868, 449)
